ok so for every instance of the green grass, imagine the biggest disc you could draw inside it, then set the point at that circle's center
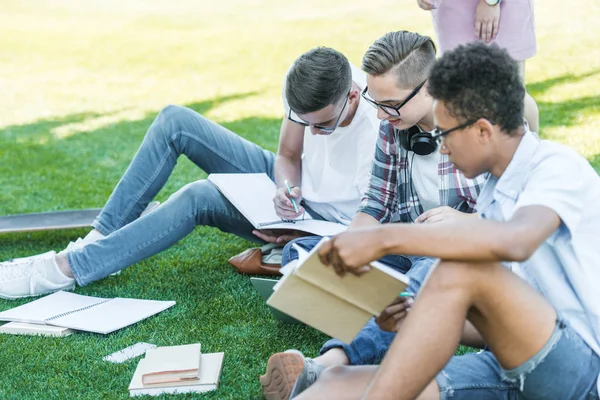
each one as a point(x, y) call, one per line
point(81, 82)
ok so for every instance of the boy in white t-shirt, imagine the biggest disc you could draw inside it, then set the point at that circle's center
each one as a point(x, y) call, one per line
point(329, 125)
point(524, 277)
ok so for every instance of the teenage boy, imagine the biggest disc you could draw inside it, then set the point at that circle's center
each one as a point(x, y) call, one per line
point(525, 275)
point(410, 182)
point(325, 148)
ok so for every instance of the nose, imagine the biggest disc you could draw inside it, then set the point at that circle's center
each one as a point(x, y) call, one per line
point(315, 131)
point(381, 114)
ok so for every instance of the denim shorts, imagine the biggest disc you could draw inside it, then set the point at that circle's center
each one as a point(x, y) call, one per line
point(566, 368)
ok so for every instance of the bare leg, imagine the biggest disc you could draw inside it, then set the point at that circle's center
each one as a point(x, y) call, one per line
point(512, 317)
point(332, 358)
point(531, 112)
point(63, 264)
point(349, 383)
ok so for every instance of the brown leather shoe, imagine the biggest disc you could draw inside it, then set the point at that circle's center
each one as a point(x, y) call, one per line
point(250, 262)
point(282, 371)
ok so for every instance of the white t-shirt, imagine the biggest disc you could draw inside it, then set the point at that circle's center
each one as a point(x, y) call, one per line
point(425, 178)
point(336, 168)
point(564, 269)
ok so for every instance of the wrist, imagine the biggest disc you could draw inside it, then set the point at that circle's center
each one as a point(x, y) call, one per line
point(385, 240)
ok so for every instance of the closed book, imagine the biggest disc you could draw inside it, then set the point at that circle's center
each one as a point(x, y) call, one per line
point(338, 306)
point(18, 328)
point(210, 372)
point(172, 364)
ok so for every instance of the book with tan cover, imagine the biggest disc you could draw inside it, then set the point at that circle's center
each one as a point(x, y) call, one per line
point(172, 364)
point(338, 306)
point(208, 380)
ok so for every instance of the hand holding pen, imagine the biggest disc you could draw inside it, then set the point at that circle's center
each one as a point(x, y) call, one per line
point(287, 202)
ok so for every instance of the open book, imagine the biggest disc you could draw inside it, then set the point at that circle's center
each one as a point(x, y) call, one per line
point(338, 306)
point(252, 195)
point(85, 313)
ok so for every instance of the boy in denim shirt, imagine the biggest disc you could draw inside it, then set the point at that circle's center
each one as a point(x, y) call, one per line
point(524, 276)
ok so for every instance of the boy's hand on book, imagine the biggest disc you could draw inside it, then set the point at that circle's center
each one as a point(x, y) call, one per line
point(392, 316)
point(278, 236)
point(283, 203)
point(352, 251)
point(440, 214)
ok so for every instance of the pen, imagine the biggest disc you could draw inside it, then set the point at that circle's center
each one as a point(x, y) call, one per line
point(290, 193)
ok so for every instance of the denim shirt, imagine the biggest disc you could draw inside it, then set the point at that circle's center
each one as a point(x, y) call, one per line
point(566, 267)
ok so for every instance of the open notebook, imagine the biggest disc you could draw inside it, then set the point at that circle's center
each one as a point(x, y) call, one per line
point(338, 306)
point(252, 195)
point(85, 313)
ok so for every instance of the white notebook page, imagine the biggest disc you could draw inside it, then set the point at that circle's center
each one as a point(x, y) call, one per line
point(36, 312)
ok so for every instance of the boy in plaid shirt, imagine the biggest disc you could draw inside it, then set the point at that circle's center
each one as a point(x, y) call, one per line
point(410, 182)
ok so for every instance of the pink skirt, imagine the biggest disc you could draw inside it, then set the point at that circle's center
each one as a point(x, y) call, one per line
point(454, 24)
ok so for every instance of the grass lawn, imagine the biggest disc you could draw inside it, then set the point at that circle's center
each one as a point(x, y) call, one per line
point(82, 81)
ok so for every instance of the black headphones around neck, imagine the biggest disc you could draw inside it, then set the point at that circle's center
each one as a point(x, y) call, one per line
point(419, 142)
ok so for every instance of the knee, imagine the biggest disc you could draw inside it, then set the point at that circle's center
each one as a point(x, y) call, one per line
point(196, 193)
point(451, 276)
point(173, 118)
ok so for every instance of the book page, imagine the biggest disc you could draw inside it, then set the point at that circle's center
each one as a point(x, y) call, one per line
point(314, 226)
point(38, 311)
point(252, 195)
point(112, 315)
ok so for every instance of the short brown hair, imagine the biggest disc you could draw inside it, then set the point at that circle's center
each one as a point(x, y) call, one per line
point(409, 54)
point(318, 78)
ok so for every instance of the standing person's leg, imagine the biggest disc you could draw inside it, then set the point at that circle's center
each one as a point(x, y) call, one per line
point(176, 131)
point(531, 112)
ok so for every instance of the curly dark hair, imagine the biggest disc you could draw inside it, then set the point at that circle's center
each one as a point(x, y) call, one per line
point(479, 81)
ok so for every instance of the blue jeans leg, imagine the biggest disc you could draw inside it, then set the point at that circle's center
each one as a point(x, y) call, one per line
point(176, 131)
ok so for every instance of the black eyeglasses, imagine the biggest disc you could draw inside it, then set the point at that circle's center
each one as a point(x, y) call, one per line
point(394, 111)
point(439, 134)
point(324, 129)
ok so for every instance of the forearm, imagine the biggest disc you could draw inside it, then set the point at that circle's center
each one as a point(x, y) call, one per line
point(287, 168)
point(362, 220)
point(472, 239)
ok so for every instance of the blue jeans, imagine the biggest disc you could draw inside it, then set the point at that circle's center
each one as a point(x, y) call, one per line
point(130, 239)
point(371, 343)
point(565, 368)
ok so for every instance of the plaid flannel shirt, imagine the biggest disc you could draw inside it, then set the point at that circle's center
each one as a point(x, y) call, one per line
point(389, 198)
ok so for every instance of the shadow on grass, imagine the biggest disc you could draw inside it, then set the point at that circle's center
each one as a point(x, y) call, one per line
point(541, 87)
point(563, 113)
point(40, 172)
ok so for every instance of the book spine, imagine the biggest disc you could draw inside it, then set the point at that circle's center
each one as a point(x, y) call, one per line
point(75, 311)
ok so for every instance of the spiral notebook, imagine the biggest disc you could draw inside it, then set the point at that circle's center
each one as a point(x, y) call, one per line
point(252, 195)
point(85, 313)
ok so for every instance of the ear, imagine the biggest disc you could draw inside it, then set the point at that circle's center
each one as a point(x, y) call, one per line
point(486, 130)
point(354, 94)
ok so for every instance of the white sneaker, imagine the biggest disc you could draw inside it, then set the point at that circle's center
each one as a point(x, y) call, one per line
point(32, 276)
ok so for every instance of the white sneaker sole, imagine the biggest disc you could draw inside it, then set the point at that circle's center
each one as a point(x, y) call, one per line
point(5, 297)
